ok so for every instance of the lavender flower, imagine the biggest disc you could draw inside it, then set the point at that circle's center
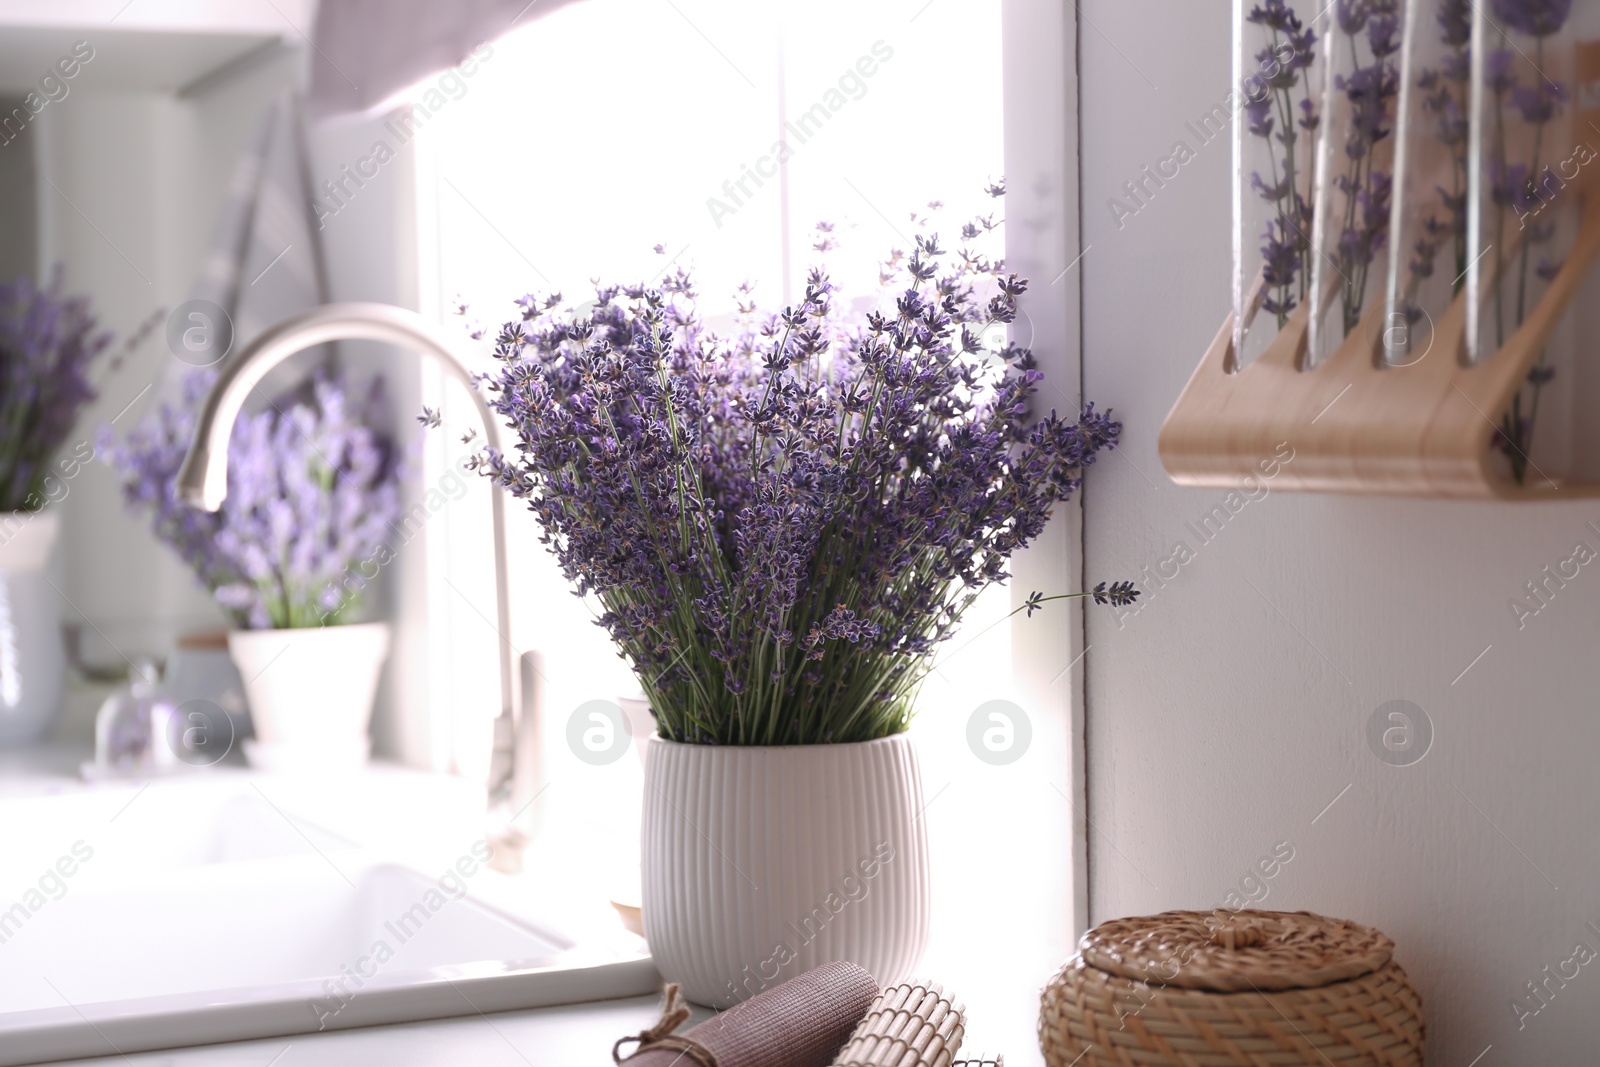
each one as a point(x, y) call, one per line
point(1370, 88)
point(1521, 189)
point(1259, 120)
point(1445, 98)
point(312, 490)
point(1286, 243)
point(47, 345)
point(1509, 187)
point(1455, 22)
point(1538, 103)
point(1497, 71)
point(781, 524)
point(1281, 265)
point(1536, 18)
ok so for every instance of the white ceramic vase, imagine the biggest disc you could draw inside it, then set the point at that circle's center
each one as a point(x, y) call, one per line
point(760, 863)
point(310, 693)
point(33, 662)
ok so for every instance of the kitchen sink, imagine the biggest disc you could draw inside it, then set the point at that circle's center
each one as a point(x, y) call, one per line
point(219, 908)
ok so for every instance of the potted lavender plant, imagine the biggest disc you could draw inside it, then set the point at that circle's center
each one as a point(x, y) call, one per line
point(781, 526)
point(48, 342)
point(313, 492)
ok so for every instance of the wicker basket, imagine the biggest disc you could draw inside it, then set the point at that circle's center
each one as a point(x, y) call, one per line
point(1225, 988)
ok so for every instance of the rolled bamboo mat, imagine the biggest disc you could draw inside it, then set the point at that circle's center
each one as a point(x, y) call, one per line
point(800, 1023)
point(908, 1025)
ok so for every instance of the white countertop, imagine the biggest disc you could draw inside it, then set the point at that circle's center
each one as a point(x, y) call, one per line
point(573, 1036)
point(576, 1034)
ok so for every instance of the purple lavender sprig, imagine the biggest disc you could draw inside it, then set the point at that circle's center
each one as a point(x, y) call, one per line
point(312, 490)
point(1370, 33)
point(1522, 188)
point(1445, 97)
point(1118, 594)
point(783, 522)
point(48, 342)
point(1274, 114)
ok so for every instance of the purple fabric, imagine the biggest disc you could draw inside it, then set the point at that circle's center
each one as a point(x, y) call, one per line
point(368, 50)
point(800, 1023)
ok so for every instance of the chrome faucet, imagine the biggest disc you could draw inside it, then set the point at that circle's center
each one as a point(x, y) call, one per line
point(203, 482)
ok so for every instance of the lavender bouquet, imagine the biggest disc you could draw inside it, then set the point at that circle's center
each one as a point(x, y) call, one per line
point(312, 491)
point(48, 343)
point(782, 525)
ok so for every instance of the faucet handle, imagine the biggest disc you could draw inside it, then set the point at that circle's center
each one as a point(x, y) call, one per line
point(514, 767)
point(530, 719)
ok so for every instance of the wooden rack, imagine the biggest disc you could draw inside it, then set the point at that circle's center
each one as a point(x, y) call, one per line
point(1357, 424)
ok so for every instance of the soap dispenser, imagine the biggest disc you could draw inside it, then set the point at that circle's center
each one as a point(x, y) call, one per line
point(133, 730)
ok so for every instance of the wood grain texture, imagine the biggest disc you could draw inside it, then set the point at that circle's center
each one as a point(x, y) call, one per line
point(1359, 425)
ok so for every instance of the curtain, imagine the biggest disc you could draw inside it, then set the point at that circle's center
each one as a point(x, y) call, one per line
point(366, 51)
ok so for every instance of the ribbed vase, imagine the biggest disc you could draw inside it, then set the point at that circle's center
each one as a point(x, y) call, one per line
point(310, 693)
point(33, 661)
point(764, 862)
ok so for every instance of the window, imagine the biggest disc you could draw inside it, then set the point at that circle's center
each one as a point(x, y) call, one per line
point(617, 139)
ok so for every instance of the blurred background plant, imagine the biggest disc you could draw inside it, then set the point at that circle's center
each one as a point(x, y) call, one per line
point(48, 344)
point(313, 491)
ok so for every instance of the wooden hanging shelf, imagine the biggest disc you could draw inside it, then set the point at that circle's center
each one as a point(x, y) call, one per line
point(1359, 425)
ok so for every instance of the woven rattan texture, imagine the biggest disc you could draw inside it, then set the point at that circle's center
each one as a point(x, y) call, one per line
point(1236, 951)
point(1090, 1018)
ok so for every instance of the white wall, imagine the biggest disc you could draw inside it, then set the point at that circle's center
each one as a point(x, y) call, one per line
point(370, 246)
point(132, 236)
point(131, 182)
point(119, 236)
point(1227, 714)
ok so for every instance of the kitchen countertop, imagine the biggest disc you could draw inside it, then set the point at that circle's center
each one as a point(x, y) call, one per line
point(577, 1035)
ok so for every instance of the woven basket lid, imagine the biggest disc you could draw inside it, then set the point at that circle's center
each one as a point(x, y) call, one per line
point(1227, 951)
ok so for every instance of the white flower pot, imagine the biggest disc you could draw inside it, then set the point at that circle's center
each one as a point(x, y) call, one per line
point(310, 693)
point(33, 662)
point(763, 862)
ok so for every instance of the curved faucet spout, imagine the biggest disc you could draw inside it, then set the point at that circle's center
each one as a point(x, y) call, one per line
point(203, 478)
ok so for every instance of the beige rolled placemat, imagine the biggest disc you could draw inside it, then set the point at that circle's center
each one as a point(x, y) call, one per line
point(800, 1023)
point(909, 1025)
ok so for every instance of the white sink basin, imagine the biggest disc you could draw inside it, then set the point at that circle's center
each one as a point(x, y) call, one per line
point(204, 911)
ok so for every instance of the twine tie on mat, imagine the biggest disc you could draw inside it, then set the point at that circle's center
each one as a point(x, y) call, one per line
point(660, 1036)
